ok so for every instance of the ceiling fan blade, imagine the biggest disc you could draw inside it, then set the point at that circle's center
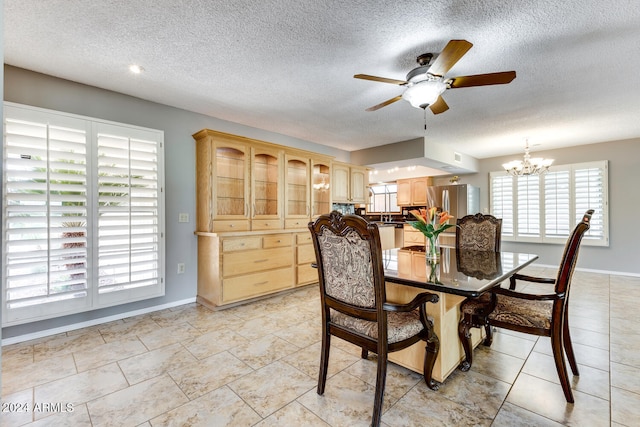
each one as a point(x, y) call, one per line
point(385, 103)
point(439, 106)
point(452, 52)
point(483, 79)
point(380, 79)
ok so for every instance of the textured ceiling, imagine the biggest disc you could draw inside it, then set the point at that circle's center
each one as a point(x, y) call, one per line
point(288, 66)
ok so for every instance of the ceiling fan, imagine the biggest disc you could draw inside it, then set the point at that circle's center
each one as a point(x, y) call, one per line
point(426, 83)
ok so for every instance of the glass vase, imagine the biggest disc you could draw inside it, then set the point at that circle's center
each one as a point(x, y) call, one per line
point(433, 267)
point(433, 249)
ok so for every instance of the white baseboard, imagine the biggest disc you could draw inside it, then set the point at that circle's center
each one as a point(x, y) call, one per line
point(93, 322)
point(591, 270)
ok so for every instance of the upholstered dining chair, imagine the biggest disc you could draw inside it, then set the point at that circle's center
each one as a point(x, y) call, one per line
point(354, 303)
point(544, 314)
point(478, 233)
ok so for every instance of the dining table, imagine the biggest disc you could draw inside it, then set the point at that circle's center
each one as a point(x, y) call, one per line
point(457, 274)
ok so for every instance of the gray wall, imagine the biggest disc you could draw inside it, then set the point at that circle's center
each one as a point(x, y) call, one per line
point(624, 204)
point(39, 90)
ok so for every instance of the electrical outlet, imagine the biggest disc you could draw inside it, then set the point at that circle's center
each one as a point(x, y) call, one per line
point(181, 268)
point(183, 217)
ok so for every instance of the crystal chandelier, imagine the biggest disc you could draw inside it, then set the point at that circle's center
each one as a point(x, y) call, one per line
point(528, 166)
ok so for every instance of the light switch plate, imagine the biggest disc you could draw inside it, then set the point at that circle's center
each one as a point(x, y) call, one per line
point(183, 217)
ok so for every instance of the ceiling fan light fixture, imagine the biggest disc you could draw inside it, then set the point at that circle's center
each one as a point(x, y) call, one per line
point(424, 93)
point(528, 166)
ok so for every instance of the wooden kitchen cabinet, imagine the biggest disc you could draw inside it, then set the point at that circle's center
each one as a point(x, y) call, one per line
point(412, 236)
point(404, 192)
point(349, 183)
point(413, 191)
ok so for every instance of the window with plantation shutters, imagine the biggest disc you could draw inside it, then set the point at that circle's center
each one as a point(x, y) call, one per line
point(82, 224)
point(546, 208)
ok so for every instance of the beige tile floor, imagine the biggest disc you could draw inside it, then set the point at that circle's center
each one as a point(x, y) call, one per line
point(257, 365)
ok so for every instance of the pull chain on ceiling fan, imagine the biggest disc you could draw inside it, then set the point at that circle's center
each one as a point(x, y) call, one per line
point(426, 83)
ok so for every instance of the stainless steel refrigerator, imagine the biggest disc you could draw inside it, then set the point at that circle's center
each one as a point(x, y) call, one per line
point(459, 200)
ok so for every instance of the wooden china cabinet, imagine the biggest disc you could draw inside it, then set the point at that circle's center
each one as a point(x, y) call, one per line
point(253, 203)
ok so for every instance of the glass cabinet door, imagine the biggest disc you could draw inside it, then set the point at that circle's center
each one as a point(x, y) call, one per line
point(297, 187)
point(230, 182)
point(265, 172)
point(320, 189)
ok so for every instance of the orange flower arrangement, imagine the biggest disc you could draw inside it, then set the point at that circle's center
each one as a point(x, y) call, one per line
point(431, 222)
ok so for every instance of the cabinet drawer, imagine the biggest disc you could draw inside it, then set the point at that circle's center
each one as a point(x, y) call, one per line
point(266, 224)
point(276, 241)
point(253, 285)
point(302, 238)
point(296, 223)
point(413, 238)
point(241, 244)
point(305, 254)
point(306, 274)
point(236, 263)
point(231, 225)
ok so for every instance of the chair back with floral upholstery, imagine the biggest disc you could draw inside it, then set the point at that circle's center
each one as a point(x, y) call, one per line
point(479, 232)
point(349, 260)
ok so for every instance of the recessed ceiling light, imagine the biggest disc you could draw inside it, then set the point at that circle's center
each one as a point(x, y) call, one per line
point(136, 69)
